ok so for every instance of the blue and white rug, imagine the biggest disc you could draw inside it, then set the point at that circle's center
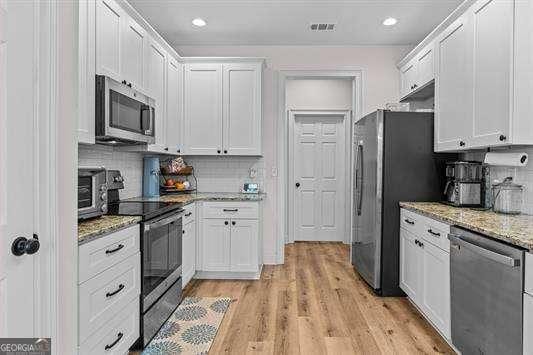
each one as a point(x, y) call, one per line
point(191, 329)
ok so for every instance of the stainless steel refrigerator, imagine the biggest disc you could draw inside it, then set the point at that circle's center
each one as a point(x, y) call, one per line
point(393, 161)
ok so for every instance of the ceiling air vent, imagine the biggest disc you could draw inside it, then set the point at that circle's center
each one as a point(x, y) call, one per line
point(321, 27)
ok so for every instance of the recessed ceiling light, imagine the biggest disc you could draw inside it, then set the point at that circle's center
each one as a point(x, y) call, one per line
point(391, 21)
point(198, 22)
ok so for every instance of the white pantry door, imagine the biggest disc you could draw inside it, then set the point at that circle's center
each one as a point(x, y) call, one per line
point(18, 175)
point(319, 177)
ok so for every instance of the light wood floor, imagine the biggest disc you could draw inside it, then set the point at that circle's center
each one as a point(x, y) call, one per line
point(315, 304)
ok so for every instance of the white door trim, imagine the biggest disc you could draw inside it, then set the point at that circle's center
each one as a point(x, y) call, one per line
point(282, 131)
point(345, 114)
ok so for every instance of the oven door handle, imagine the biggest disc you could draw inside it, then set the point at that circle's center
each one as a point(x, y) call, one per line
point(163, 221)
point(457, 241)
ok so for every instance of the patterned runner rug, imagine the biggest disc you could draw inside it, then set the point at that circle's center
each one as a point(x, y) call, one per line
point(191, 329)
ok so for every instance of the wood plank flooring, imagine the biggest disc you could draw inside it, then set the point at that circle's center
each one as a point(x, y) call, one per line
point(315, 304)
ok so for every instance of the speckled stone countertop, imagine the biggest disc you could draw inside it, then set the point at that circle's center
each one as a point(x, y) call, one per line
point(94, 228)
point(513, 229)
point(203, 196)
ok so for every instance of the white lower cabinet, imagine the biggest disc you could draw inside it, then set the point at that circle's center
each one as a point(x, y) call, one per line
point(229, 247)
point(109, 285)
point(528, 324)
point(189, 245)
point(425, 271)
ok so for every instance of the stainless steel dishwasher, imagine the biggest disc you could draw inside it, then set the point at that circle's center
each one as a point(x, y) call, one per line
point(487, 283)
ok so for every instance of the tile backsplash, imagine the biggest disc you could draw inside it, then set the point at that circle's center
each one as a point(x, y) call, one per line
point(130, 165)
point(521, 175)
point(226, 174)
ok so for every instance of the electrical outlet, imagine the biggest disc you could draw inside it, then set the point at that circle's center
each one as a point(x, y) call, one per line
point(274, 171)
point(253, 173)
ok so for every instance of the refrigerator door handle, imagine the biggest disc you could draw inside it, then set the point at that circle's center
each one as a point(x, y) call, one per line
point(359, 179)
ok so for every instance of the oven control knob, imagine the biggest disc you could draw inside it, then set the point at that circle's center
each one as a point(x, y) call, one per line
point(103, 196)
point(103, 208)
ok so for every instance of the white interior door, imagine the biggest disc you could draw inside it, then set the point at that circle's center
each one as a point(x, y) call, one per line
point(319, 177)
point(18, 186)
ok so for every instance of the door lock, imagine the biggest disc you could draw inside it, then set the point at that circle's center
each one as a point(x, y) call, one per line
point(22, 245)
point(297, 184)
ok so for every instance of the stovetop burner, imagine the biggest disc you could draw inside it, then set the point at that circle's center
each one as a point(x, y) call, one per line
point(145, 209)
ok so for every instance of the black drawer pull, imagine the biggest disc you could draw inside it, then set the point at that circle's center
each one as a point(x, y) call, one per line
point(111, 251)
point(230, 209)
point(188, 214)
point(226, 223)
point(408, 221)
point(120, 288)
point(233, 222)
point(430, 231)
point(109, 346)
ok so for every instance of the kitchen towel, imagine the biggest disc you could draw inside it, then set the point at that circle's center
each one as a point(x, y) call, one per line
point(506, 159)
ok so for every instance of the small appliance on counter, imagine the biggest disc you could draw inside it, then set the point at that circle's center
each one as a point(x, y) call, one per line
point(151, 177)
point(507, 196)
point(250, 188)
point(463, 184)
point(92, 192)
point(161, 255)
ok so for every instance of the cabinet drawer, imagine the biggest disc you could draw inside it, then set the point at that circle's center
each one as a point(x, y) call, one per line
point(410, 221)
point(529, 274)
point(102, 253)
point(189, 213)
point(117, 335)
point(247, 210)
point(436, 233)
point(102, 297)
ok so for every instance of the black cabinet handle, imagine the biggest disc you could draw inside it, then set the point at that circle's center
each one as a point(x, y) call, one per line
point(124, 82)
point(166, 148)
point(233, 222)
point(430, 231)
point(416, 241)
point(218, 151)
point(230, 209)
point(111, 251)
point(109, 346)
point(179, 150)
point(188, 214)
point(462, 143)
point(225, 152)
point(226, 223)
point(183, 231)
point(502, 137)
point(420, 244)
point(120, 288)
point(408, 221)
point(129, 85)
point(297, 184)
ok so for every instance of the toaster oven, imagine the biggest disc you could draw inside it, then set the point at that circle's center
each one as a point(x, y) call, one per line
point(92, 192)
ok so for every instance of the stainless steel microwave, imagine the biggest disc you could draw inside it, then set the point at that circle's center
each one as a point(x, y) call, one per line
point(123, 115)
point(92, 192)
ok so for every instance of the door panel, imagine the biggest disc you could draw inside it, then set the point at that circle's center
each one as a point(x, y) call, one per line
point(367, 236)
point(109, 17)
point(319, 148)
point(19, 83)
point(155, 83)
point(244, 235)
point(410, 265)
point(203, 108)
point(133, 53)
point(174, 106)
point(216, 245)
point(493, 28)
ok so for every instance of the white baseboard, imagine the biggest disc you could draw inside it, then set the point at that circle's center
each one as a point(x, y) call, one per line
point(228, 275)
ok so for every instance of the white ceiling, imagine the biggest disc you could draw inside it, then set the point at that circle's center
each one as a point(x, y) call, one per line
point(286, 22)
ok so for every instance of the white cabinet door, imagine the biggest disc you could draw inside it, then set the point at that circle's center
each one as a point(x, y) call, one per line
point(425, 68)
point(109, 19)
point(86, 72)
point(189, 252)
point(453, 89)
point(242, 109)
point(174, 106)
point(410, 265)
point(492, 81)
point(155, 80)
point(244, 248)
point(407, 78)
point(132, 53)
point(436, 287)
point(528, 324)
point(203, 109)
point(215, 245)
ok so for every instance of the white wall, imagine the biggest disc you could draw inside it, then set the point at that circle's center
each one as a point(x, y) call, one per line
point(380, 85)
point(321, 94)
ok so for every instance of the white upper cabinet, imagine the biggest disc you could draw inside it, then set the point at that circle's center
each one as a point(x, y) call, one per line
point(453, 93)
point(174, 101)
point(203, 109)
point(242, 109)
point(132, 54)
point(156, 86)
point(425, 68)
point(109, 27)
point(492, 24)
point(86, 72)
point(407, 78)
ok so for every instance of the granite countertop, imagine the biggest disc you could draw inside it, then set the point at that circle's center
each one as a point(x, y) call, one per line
point(94, 228)
point(203, 196)
point(513, 229)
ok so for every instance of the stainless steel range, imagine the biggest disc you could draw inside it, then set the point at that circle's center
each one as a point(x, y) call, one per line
point(161, 250)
